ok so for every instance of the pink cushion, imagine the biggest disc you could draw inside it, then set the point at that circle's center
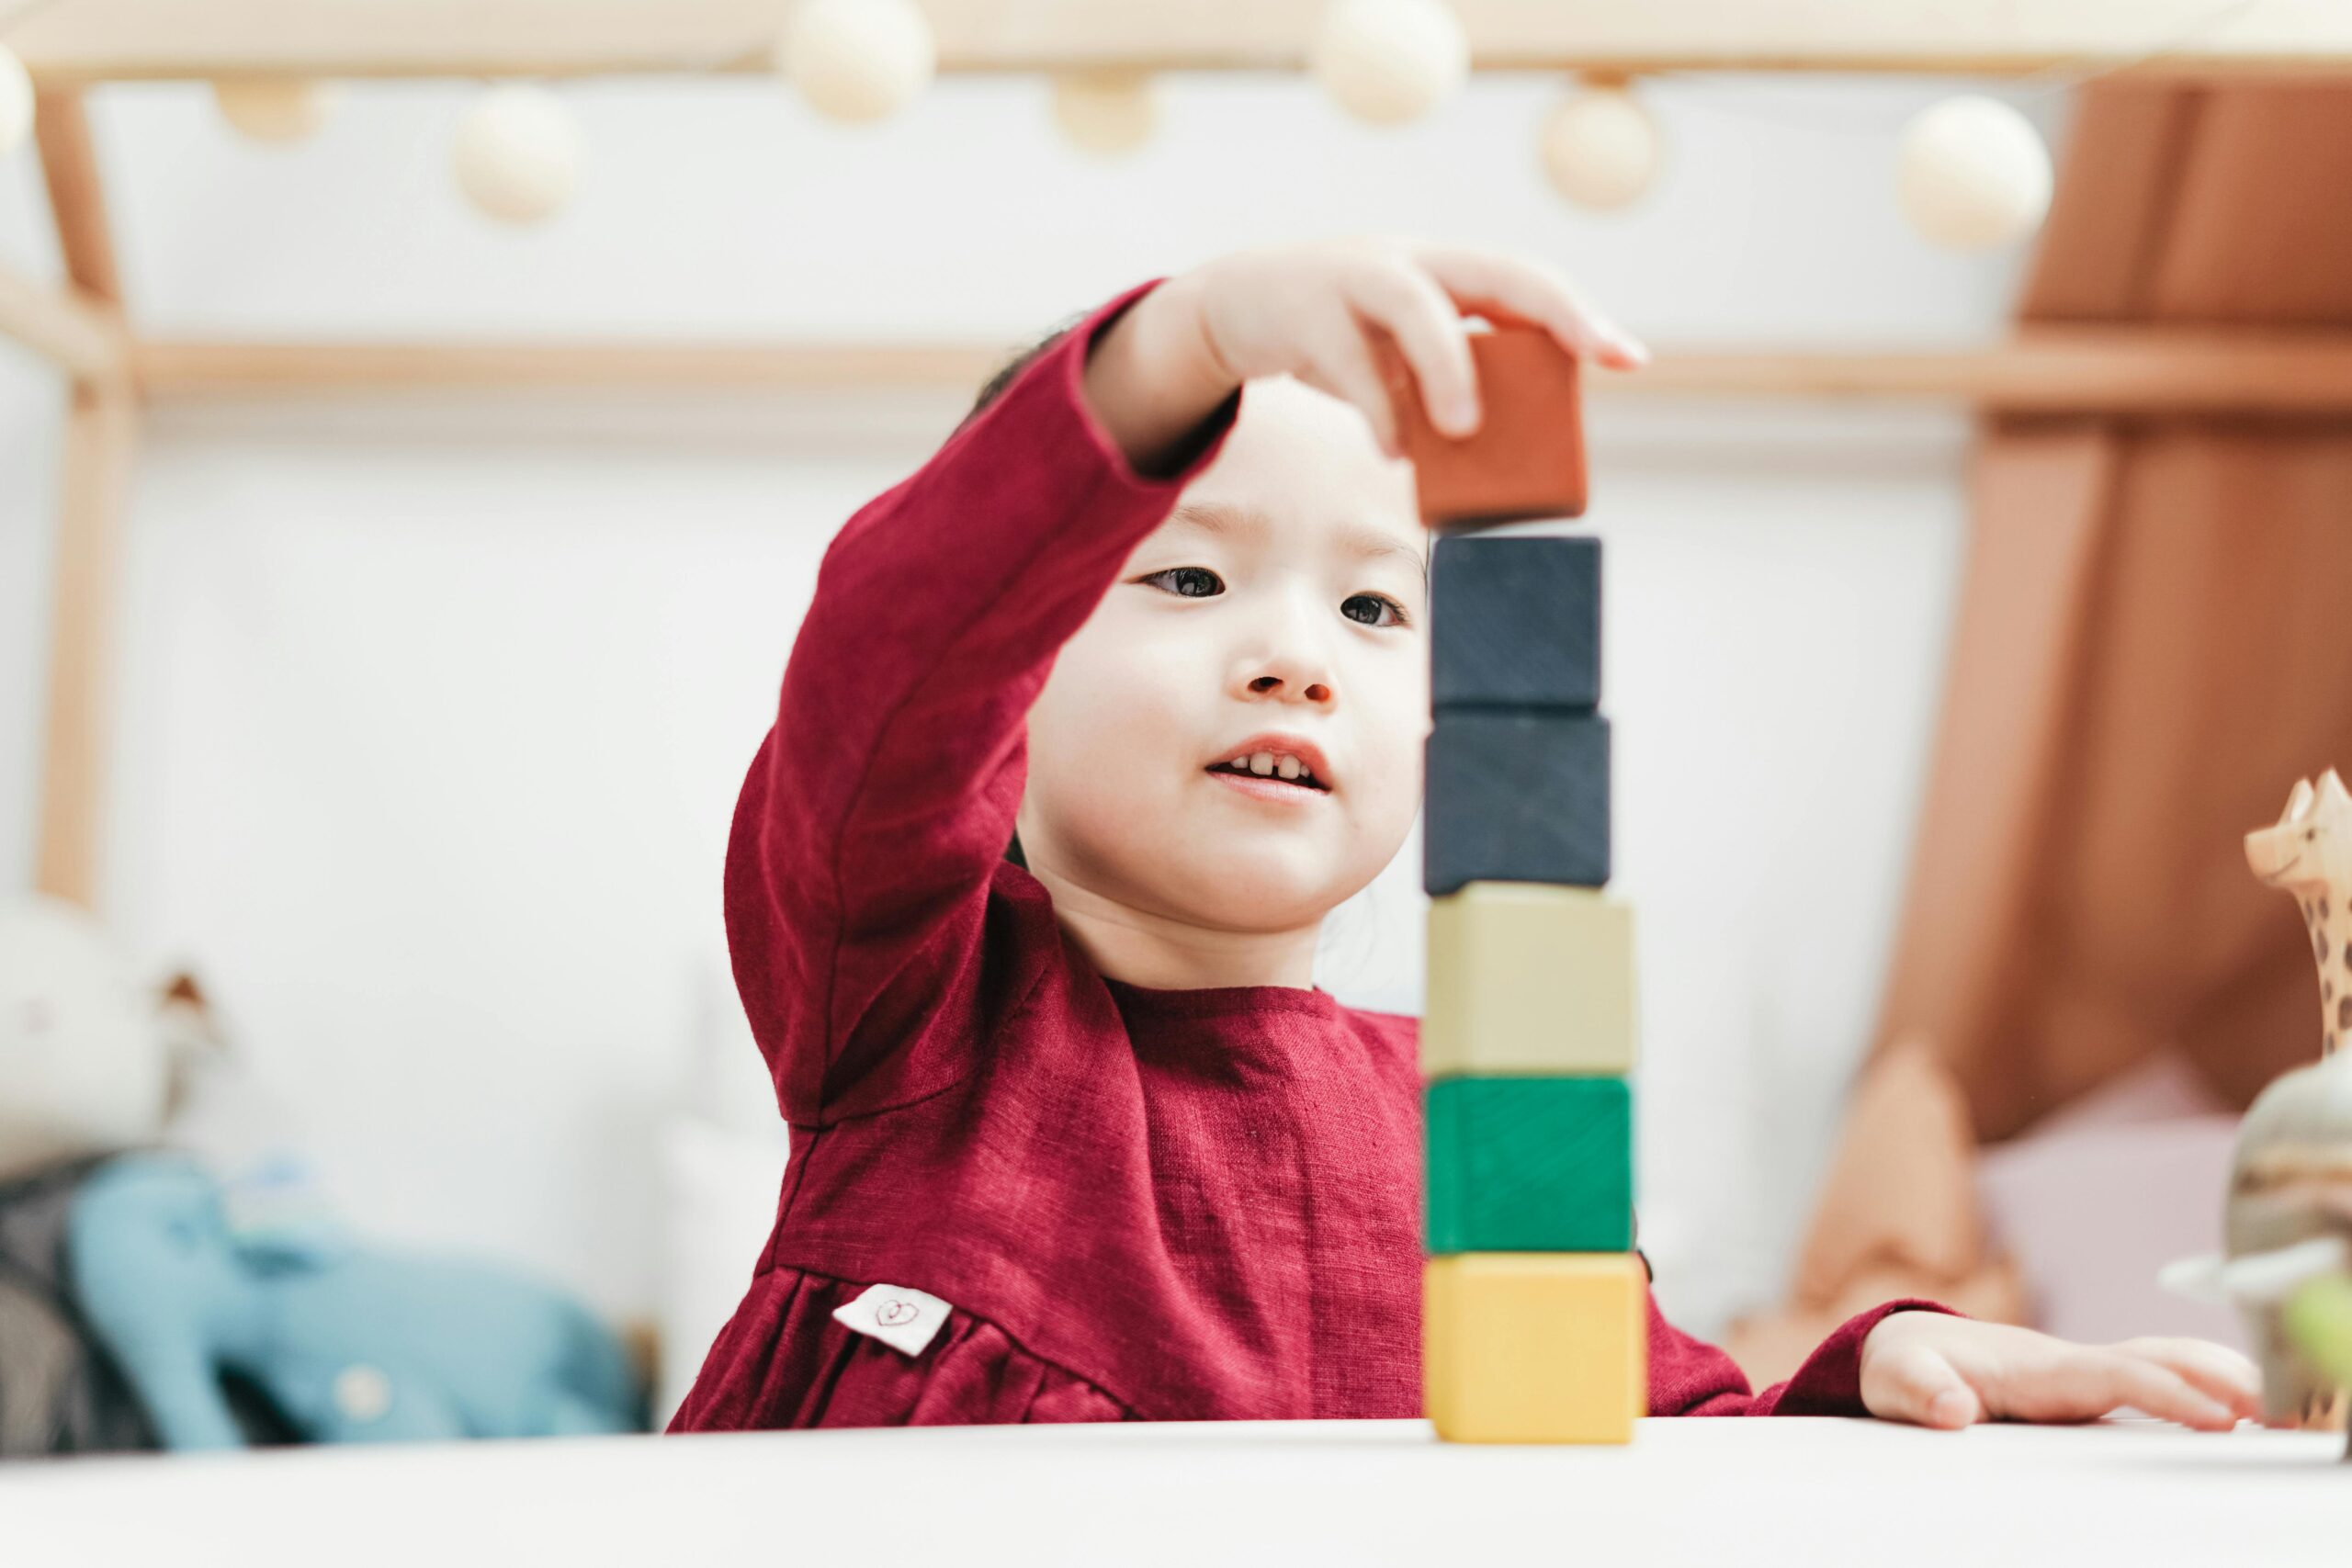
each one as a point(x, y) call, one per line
point(2093, 1201)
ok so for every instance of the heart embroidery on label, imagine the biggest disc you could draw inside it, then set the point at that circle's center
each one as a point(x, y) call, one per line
point(901, 1316)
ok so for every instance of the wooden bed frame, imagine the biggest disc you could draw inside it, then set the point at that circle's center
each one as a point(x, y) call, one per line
point(80, 324)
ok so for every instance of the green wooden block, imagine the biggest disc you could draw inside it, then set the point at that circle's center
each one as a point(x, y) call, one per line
point(1529, 1165)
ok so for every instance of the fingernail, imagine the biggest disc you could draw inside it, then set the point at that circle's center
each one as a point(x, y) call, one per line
point(1462, 415)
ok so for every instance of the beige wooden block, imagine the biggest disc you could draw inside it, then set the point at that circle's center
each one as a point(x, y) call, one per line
point(1534, 1346)
point(1527, 977)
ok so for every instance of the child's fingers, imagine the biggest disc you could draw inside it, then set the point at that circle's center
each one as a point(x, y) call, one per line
point(1340, 362)
point(1406, 303)
point(2215, 1371)
point(2114, 1378)
point(1486, 282)
point(1920, 1386)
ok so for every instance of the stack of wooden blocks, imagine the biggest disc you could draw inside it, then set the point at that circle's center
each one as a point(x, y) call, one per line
point(1536, 1310)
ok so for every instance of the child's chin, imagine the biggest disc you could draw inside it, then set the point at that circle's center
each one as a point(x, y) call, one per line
point(1261, 884)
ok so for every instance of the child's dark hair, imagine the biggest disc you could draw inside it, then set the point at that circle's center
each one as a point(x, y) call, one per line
point(997, 383)
point(1002, 379)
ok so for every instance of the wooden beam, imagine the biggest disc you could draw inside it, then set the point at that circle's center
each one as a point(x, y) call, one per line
point(72, 41)
point(2119, 370)
point(80, 327)
point(100, 432)
point(181, 369)
point(2052, 370)
point(81, 336)
point(69, 163)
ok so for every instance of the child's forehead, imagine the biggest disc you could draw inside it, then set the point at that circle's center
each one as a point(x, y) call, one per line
point(1299, 464)
point(1327, 530)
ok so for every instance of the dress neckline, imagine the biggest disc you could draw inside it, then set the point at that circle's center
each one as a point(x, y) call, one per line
point(1211, 1000)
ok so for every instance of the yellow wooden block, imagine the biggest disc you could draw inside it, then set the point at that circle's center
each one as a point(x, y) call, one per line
point(1534, 1346)
point(1527, 977)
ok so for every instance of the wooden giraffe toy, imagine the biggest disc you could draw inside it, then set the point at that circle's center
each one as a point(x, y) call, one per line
point(2287, 1224)
point(2309, 855)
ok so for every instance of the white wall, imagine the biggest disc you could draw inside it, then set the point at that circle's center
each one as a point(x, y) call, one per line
point(434, 716)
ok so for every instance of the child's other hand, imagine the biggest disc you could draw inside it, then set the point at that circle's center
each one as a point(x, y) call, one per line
point(1938, 1370)
point(1324, 313)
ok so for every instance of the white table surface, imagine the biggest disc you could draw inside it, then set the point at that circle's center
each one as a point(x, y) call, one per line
point(1690, 1491)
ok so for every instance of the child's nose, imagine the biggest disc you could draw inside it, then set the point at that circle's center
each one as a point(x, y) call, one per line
point(1279, 685)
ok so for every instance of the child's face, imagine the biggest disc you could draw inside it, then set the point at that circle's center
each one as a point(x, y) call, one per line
point(1286, 596)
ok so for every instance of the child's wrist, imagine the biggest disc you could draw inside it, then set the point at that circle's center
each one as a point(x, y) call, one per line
point(1153, 378)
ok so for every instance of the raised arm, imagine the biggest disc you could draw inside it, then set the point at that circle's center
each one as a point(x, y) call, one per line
point(882, 800)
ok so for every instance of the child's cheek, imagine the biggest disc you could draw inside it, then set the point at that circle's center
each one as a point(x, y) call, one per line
point(1137, 678)
point(1398, 741)
point(1114, 716)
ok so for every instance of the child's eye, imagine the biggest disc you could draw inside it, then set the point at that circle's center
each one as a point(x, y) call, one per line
point(1367, 608)
point(1188, 581)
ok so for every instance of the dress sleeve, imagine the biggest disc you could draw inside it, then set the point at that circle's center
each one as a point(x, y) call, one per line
point(881, 802)
point(1690, 1377)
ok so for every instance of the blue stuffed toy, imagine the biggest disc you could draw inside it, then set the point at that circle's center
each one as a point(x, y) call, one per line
point(350, 1346)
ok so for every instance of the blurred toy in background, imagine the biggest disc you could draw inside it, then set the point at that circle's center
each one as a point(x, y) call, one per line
point(349, 1344)
point(173, 1274)
point(2288, 1218)
point(82, 1068)
point(225, 1118)
point(84, 1074)
point(59, 1390)
point(2288, 1225)
point(2318, 1321)
point(92, 1062)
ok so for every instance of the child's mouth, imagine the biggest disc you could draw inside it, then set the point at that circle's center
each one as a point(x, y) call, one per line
point(1269, 775)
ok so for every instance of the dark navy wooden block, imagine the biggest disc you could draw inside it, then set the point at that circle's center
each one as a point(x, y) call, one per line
point(1516, 795)
point(1515, 621)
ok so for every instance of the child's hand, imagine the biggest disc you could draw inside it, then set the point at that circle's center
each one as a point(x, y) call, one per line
point(1940, 1370)
point(1324, 313)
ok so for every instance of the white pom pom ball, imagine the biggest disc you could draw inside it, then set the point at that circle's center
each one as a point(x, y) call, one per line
point(273, 108)
point(1106, 113)
point(83, 1067)
point(518, 153)
point(15, 103)
point(1972, 173)
point(1386, 61)
point(858, 60)
point(1601, 149)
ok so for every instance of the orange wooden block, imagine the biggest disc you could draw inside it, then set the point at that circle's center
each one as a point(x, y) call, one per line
point(1526, 459)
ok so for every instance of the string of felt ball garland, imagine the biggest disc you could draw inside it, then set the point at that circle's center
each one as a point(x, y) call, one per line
point(1971, 172)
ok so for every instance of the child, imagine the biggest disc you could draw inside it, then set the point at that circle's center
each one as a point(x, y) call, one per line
point(1075, 1137)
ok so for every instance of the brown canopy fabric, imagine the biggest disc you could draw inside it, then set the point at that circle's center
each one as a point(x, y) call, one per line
point(2154, 642)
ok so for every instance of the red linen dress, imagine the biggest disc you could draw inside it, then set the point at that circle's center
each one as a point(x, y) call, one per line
point(1083, 1200)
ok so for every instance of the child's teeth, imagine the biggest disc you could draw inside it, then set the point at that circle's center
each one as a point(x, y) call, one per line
point(1289, 768)
point(1261, 763)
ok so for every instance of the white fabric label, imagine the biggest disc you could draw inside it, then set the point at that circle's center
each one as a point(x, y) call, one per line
point(899, 1316)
